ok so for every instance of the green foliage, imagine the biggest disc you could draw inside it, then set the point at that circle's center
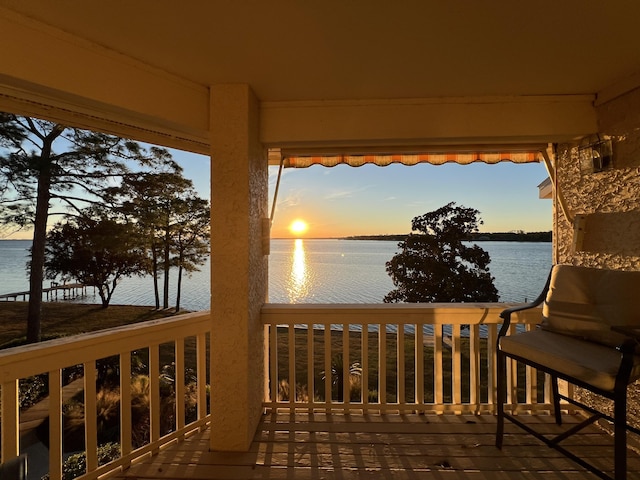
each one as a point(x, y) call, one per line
point(96, 251)
point(76, 464)
point(32, 390)
point(338, 381)
point(437, 264)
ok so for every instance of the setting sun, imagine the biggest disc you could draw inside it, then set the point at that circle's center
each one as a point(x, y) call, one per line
point(298, 227)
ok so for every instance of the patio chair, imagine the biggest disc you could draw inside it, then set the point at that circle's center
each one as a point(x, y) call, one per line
point(589, 331)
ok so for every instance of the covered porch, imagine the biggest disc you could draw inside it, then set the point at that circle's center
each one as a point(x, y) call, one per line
point(421, 403)
point(250, 84)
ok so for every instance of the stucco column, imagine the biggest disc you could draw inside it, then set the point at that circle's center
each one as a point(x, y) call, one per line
point(239, 193)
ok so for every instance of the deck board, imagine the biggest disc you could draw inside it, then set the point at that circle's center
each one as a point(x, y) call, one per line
point(401, 447)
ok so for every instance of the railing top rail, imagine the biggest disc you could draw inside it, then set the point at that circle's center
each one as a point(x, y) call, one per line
point(27, 360)
point(428, 313)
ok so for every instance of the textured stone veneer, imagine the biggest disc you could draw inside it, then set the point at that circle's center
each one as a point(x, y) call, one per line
point(610, 200)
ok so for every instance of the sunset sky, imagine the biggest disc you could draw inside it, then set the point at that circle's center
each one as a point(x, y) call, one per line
point(370, 200)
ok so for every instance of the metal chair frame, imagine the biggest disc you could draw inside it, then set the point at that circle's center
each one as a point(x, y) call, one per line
point(618, 396)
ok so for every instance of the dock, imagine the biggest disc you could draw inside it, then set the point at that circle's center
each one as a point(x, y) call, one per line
point(66, 291)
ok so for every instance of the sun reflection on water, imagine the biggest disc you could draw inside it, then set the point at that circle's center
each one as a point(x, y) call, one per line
point(298, 281)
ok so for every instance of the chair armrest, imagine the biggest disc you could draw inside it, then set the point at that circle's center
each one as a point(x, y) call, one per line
point(628, 350)
point(632, 332)
point(506, 314)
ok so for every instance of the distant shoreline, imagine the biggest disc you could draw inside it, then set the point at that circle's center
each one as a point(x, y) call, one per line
point(476, 237)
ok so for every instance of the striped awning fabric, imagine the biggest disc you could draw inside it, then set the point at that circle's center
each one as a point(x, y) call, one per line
point(517, 155)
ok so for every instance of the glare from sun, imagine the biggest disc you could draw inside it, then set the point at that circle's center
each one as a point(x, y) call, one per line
point(298, 227)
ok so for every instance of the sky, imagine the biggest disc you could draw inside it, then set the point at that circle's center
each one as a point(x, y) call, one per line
point(370, 200)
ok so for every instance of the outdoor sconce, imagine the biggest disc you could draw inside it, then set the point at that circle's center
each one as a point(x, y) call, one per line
point(596, 156)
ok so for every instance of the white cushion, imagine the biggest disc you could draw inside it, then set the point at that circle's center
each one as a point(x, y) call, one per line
point(593, 363)
point(587, 302)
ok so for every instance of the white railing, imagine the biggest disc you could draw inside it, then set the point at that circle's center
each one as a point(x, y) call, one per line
point(174, 346)
point(434, 358)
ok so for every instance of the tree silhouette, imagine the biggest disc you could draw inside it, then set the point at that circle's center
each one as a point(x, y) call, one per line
point(96, 251)
point(437, 264)
point(175, 222)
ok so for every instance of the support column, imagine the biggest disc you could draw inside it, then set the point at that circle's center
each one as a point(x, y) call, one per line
point(239, 201)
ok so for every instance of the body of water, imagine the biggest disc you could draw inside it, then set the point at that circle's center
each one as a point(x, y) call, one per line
point(313, 271)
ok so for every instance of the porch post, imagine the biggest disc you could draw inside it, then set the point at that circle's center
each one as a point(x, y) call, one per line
point(239, 193)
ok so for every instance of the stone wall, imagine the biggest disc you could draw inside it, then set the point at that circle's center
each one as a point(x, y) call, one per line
point(607, 201)
point(609, 204)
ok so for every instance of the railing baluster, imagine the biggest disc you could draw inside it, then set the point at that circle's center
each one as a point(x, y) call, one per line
point(10, 420)
point(419, 364)
point(382, 364)
point(437, 365)
point(531, 383)
point(456, 365)
point(55, 424)
point(512, 378)
point(291, 336)
point(201, 367)
point(90, 412)
point(154, 387)
point(346, 368)
point(310, 365)
point(273, 361)
point(179, 383)
point(474, 366)
point(400, 369)
point(125, 403)
point(327, 367)
point(492, 363)
point(364, 378)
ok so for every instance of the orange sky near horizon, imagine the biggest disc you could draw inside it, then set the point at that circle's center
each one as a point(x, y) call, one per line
point(345, 201)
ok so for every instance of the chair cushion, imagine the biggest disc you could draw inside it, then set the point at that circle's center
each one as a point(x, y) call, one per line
point(593, 363)
point(586, 302)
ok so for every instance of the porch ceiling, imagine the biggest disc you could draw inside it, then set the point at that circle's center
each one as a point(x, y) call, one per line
point(336, 50)
point(316, 53)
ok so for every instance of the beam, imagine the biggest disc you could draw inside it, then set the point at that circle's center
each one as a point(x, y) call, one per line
point(51, 74)
point(427, 121)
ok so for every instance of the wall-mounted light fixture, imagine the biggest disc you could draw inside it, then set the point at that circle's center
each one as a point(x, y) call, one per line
point(595, 154)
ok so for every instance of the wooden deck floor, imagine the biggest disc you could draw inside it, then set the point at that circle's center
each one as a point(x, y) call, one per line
point(384, 447)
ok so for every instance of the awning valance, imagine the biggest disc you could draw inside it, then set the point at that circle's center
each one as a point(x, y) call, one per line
point(410, 156)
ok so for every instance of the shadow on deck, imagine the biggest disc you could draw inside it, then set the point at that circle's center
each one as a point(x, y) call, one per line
point(336, 446)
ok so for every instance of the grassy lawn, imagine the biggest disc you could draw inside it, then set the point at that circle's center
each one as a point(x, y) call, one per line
point(407, 357)
point(65, 318)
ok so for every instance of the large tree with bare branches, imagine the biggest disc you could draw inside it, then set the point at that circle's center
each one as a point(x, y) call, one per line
point(48, 169)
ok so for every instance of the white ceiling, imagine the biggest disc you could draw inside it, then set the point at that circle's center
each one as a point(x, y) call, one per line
point(356, 49)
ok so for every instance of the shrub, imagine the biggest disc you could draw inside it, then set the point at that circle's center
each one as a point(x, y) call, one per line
point(76, 465)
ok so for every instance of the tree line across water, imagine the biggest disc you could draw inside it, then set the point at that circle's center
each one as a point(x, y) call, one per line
point(517, 236)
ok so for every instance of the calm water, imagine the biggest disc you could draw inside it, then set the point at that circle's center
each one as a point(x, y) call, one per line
point(315, 271)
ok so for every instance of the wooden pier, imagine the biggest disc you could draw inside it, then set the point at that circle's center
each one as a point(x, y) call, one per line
point(67, 291)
